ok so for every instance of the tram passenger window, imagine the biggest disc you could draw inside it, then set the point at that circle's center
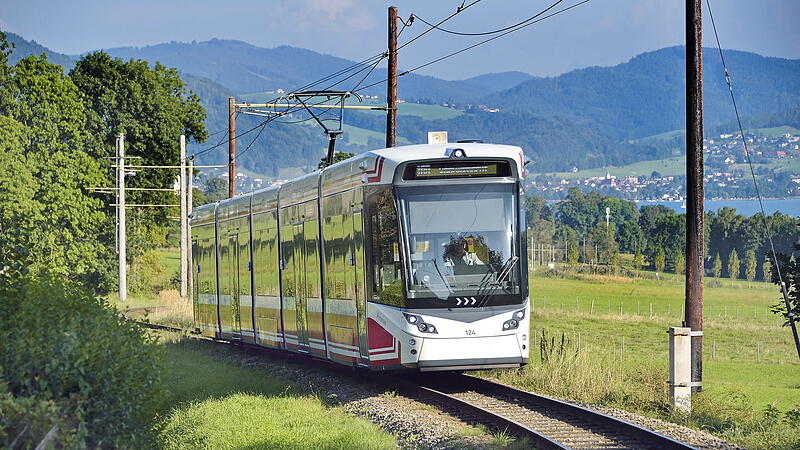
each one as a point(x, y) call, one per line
point(386, 280)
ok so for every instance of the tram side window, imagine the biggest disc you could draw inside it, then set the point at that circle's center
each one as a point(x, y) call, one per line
point(387, 285)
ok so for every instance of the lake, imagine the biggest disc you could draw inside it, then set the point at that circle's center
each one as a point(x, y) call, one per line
point(788, 206)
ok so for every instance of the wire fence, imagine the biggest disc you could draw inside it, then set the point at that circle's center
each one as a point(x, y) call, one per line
point(633, 348)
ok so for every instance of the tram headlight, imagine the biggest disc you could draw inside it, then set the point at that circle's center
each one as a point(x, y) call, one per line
point(513, 323)
point(519, 315)
point(412, 319)
point(510, 324)
point(423, 327)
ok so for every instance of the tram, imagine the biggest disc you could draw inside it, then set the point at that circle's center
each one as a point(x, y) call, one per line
point(409, 257)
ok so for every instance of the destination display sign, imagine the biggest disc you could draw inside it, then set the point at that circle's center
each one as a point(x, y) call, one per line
point(460, 169)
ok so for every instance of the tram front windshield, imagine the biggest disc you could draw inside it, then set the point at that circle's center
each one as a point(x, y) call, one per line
point(460, 244)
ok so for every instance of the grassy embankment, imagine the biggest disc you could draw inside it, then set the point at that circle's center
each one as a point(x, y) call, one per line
point(751, 374)
point(212, 403)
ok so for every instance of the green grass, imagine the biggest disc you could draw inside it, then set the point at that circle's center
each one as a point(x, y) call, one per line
point(215, 403)
point(360, 136)
point(170, 258)
point(776, 131)
point(748, 356)
point(426, 112)
point(666, 167)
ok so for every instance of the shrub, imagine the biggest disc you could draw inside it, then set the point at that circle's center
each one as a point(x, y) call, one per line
point(64, 345)
point(147, 274)
point(25, 421)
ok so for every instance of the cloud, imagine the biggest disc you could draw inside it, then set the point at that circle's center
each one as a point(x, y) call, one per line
point(345, 15)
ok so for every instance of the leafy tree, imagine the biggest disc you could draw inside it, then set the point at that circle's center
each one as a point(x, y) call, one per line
point(572, 253)
point(216, 189)
point(152, 107)
point(716, 266)
point(659, 260)
point(680, 264)
point(603, 237)
point(790, 273)
point(536, 209)
point(630, 237)
point(733, 265)
point(337, 157)
point(47, 217)
point(669, 236)
point(766, 269)
point(638, 260)
point(750, 264)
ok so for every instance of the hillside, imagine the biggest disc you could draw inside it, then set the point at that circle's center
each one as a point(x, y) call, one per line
point(244, 68)
point(23, 48)
point(644, 96)
point(586, 118)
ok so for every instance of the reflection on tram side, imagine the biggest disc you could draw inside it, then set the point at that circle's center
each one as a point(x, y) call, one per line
point(397, 258)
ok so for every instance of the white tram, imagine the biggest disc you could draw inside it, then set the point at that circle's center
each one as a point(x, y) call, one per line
point(402, 258)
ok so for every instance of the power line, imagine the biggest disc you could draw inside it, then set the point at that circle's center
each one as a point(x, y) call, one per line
point(789, 313)
point(485, 33)
point(458, 11)
point(480, 43)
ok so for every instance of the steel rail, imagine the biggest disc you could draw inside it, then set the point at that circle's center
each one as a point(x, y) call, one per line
point(545, 422)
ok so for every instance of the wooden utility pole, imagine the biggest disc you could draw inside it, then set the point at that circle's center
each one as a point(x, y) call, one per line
point(695, 252)
point(231, 148)
point(183, 219)
point(189, 199)
point(122, 237)
point(391, 85)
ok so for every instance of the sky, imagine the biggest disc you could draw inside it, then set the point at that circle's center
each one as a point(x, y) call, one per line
point(600, 32)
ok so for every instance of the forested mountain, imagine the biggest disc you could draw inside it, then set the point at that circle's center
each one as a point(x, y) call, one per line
point(280, 145)
point(23, 48)
point(245, 68)
point(645, 96)
point(586, 118)
point(492, 82)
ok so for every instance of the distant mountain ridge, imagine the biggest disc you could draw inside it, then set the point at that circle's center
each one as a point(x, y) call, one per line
point(585, 118)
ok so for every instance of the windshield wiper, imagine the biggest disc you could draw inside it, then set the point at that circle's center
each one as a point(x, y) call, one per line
point(504, 272)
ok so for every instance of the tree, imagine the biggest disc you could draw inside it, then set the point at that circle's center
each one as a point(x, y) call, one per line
point(658, 261)
point(716, 266)
point(630, 237)
point(337, 157)
point(216, 189)
point(638, 260)
point(733, 265)
point(766, 269)
point(790, 272)
point(572, 253)
point(49, 222)
point(152, 107)
point(750, 265)
point(680, 264)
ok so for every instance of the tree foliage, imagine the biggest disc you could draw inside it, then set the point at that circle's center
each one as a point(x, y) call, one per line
point(716, 266)
point(734, 266)
point(152, 107)
point(49, 223)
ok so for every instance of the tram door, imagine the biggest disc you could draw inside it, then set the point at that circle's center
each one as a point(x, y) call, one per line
point(244, 297)
point(293, 286)
point(301, 293)
point(232, 276)
point(356, 266)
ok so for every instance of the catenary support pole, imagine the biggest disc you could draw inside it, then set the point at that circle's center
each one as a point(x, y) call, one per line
point(189, 199)
point(183, 219)
point(123, 272)
point(231, 148)
point(695, 251)
point(391, 85)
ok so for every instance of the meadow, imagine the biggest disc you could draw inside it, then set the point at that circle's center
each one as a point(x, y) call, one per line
point(602, 339)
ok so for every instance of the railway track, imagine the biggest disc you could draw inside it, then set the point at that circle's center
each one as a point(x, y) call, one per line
point(544, 421)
